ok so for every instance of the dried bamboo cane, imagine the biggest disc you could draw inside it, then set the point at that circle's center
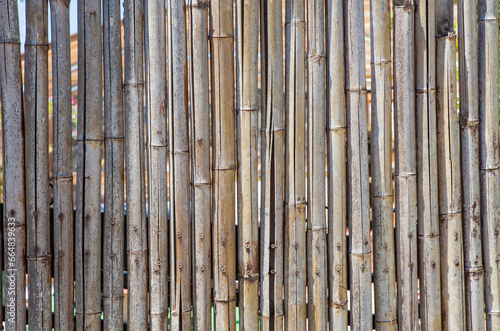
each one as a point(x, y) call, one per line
point(381, 166)
point(295, 189)
point(490, 158)
point(272, 248)
point(133, 90)
point(316, 213)
point(223, 163)
point(450, 199)
point(155, 50)
point(358, 195)
point(14, 221)
point(200, 166)
point(469, 121)
point(37, 165)
point(247, 106)
point(62, 171)
point(337, 180)
point(113, 259)
point(180, 219)
point(427, 185)
point(406, 165)
point(89, 145)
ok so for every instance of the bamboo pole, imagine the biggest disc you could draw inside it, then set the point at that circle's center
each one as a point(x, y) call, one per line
point(469, 122)
point(133, 90)
point(381, 167)
point(62, 171)
point(316, 213)
point(427, 185)
point(406, 165)
point(88, 187)
point(295, 189)
point(200, 166)
point(37, 165)
point(223, 163)
point(450, 199)
point(155, 50)
point(113, 259)
point(357, 168)
point(14, 221)
point(337, 180)
point(489, 157)
point(247, 107)
point(180, 195)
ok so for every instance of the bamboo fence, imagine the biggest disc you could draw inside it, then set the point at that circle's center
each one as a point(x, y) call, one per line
point(251, 164)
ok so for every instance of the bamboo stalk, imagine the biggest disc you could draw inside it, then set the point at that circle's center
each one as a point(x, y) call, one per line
point(272, 227)
point(337, 180)
point(406, 165)
point(357, 168)
point(88, 188)
point(155, 50)
point(316, 213)
point(200, 166)
point(427, 185)
point(489, 157)
point(295, 189)
point(180, 226)
point(247, 106)
point(133, 90)
point(14, 207)
point(62, 171)
point(469, 121)
point(223, 163)
point(113, 259)
point(381, 167)
point(450, 200)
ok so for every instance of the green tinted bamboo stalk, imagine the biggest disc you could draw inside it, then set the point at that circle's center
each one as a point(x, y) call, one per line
point(358, 200)
point(247, 107)
point(156, 100)
point(427, 186)
point(14, 221)
point(200, 166)
point(62, 168)
point(223, 163)
point(337, 180)
point(88, 188)
point(133, 91)
point(406, 165)
point(295, 189)
point(113, 259)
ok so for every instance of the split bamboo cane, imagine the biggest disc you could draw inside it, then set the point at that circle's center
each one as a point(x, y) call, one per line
point(223, 163)
point(88, 188)
point(247, 112)
point(200, 166)
point(156, 99)
point(406, 165)
point(62, 171)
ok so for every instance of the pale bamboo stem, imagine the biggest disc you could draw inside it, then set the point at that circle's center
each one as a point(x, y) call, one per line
point(223, 163)
point(247, 107)
point(427, 186)
point(156, 99)
point(62, 171)
point(490, 158)
point(337, 180)
point(200, 166)
point(406, 165)
point(88, 187)
point(469, 122)
point(295, 189)
point(381, 167)
point(358, 195)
